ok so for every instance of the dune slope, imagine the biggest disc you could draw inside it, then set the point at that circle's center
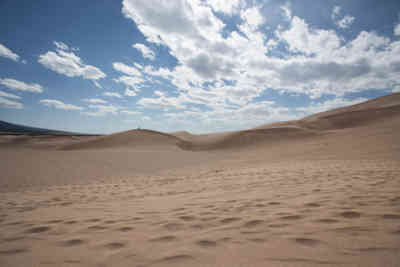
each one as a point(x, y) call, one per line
point(368, 113)
point(128, 139)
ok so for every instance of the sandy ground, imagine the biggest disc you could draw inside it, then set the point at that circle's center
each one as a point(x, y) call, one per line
point(326, 195)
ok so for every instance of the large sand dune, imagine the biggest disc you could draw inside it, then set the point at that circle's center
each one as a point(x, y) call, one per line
point(129, 139)
point(367, 113)
point(320, 191)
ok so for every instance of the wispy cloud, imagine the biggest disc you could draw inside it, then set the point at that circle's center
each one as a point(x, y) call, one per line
point(66, 62)
point(59, 104)
point(397, 30)
point(146, 51)
point(342, 21)
point(112, 94)
point(101, 110)
point(128, 70)
point(7, 53)
point(18, 85)
point(7, 103)
point(132, 84)
point(130, 112)
point(61, 45)
point(161, 101)
point(8, 95)
point(95, 100)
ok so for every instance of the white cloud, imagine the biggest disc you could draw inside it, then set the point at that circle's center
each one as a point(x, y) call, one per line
point(248, 116)
point(229, 7)
point(65, 62)
point(8, 95)
point(224, 71)
point(112, 94)
point(162, 101)
point(341, 21)
point(345, 22)
point(137, 65)
point(252, 17)
point(301, 38)
point(59, 104)
point(129, 92)
point(128, 70)
point(130, 112)
point(18, 85)
point(7, 103)
point(287, 11)
point(7, 53)
point(146, 52)
point(336, 12)
point(61, 45)
point(95, 100)
point(101, 110)
point(397, 30)
point(130, 82)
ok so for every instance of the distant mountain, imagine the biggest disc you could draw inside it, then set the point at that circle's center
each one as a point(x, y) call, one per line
point(11, 128)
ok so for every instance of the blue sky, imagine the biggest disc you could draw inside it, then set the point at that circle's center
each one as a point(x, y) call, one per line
point(202, 65)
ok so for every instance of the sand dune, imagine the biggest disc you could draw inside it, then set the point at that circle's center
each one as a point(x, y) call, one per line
point(363, 114)
point(320, 191)
point(128, 139)
point(39, 141)
point(370, 112)
point(246, 139)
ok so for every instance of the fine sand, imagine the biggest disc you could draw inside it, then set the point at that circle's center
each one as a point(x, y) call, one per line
point(320, 191)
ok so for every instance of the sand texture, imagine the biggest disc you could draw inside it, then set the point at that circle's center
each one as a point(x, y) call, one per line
point(321, 191)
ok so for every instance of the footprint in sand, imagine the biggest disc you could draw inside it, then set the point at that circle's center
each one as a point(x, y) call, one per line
point(93, 220)
point(230, 220)
point(125, 229)
point(313, 205)
point(350, 214)
point(307, 241)
point(39, 229)
point(97, 227)
point(391, 216)
point(176, 259)
point(115, 245)
point(167, 238)
point(72, 242)
point(187, 218)
point(291, 217)
point(54, 221)
point(11, 252)
point(173, 226)
point(396, 232)
point(253, 223)
point(71, 222)
point(278, 225)
point(274, 203)
point(13, 238)
point(206, 243)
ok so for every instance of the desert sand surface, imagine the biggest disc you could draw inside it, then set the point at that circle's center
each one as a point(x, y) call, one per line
point(320, 191)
